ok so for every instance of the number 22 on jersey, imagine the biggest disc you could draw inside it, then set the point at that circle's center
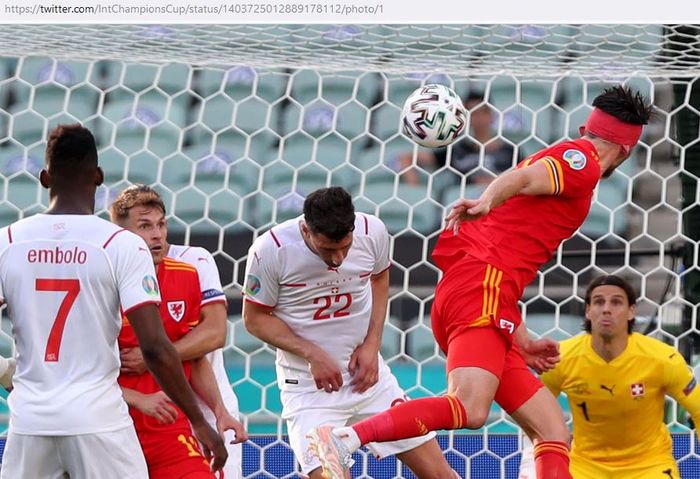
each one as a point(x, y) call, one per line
point(71, 288)
point(334, 306)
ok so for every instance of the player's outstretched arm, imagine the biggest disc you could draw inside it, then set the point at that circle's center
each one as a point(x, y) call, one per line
point(530, 180)
point(262, 323)
point(165, 365)
point(204, 384)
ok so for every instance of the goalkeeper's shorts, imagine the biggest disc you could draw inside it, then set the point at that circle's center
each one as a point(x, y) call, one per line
point(584, 469)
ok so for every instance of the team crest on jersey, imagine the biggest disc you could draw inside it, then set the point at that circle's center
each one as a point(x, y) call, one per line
point(252, 285)
point(150, 285)
point(176, 310)
point(575, 158)
point(637, 390)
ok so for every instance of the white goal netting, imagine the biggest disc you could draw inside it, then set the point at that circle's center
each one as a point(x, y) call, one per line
point(236, 124)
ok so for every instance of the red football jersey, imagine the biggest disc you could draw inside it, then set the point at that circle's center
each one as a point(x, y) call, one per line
point(179, 310)
point(521, 235)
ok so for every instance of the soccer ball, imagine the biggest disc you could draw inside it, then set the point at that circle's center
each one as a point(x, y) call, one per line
point(433, 116)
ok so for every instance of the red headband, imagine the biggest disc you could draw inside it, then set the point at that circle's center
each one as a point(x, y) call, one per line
point(607, 127)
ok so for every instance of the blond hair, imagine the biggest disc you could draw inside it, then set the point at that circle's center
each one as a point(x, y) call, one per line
point(133, 196)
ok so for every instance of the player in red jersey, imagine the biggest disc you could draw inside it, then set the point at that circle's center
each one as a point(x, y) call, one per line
point(491, 249)
point(164, 433)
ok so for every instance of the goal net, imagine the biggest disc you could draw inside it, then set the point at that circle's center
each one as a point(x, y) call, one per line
point(235, 124)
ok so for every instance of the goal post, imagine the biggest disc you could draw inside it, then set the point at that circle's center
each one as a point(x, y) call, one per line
point(235, 124)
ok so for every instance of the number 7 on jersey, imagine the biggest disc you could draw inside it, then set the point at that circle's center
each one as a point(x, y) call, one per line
point(71, 287)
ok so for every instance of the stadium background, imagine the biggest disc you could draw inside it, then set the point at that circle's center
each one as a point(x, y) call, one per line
point(235, 124)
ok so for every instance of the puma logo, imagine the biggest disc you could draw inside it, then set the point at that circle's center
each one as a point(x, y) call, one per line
point(608, 389)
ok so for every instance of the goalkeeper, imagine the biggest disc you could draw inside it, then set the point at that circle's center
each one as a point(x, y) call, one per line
point(616, 381)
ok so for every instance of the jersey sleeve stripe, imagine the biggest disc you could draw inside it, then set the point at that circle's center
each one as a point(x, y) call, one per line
point(184, 251)
point(293, 285)
point(366, 224)
point(277, 242)
point(560, 176)
point(109, 240)
point(553, 177)
point(376, 274)
point(258, 303)
point(172, 267)
point(9, 233)
point(214, 300)
point(137, 306)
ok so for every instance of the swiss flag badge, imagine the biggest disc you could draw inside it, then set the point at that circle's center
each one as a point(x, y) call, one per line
point(637, 390)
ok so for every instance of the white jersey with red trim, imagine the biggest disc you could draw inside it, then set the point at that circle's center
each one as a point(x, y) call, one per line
point(328, 306)
point(212, 292)
point(65, 279)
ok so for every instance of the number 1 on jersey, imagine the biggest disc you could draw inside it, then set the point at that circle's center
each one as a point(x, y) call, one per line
point(71, 287)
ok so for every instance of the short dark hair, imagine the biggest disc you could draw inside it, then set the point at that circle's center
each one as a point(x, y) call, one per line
point(611, 280)
point(70, 150)
point(131, 197)
point(624, 104)
point(330, 212)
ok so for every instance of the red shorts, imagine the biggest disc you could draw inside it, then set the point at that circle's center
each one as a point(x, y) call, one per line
point(474, 316)
point(174, 455)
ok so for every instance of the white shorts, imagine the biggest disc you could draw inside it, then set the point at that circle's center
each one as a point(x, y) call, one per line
point(107, 455)
point(305, 410)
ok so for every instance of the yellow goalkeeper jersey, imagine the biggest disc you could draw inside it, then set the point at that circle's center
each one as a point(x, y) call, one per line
point(618, 406)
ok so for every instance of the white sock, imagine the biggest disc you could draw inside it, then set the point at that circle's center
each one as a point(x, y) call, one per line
point(349, 437)
point(4, 364)
point(7, 371)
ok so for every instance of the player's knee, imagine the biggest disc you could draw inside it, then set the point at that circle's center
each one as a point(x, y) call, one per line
point(555, 431)
point(476, 417)
point(477, 410)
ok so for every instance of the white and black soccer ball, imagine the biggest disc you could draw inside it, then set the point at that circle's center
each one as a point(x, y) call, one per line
point(433, 116)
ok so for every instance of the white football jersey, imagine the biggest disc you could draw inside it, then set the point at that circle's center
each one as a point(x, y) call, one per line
point(65, 279)
point(212, 291)
point(328, 306)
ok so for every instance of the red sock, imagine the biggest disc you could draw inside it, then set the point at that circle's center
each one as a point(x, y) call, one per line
point(412, 418)
point(552, 460)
